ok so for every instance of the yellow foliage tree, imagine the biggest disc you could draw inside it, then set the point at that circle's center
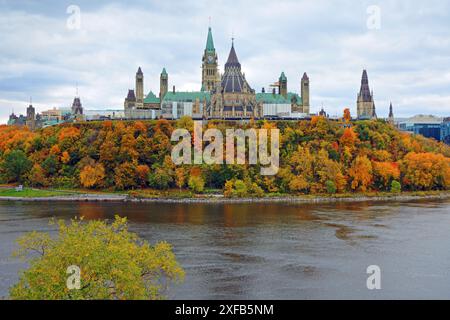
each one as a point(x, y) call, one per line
point(92, 176)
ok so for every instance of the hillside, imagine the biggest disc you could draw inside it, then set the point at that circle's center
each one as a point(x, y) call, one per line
point(316, 157)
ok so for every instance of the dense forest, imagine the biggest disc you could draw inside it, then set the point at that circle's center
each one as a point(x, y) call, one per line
point(316, 156)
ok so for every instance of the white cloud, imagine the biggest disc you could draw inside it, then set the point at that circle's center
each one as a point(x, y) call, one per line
point(408, 59)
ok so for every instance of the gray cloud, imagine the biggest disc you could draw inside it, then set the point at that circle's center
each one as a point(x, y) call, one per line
point(408, 59)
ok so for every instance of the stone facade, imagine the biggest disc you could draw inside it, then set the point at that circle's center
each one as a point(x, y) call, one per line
point(223, 96)
point(210, 68)
point(365, 103)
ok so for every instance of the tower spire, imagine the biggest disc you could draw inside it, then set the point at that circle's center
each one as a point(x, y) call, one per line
point(233, 60)
point(210, 41)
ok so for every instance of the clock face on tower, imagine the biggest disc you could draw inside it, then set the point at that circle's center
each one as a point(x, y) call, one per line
point(210, 59)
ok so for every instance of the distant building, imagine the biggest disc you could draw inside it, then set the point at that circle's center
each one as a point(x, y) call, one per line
point(446, 130)
point(391, 119)
point(49, 117)
point(427, 125)
point(104, 114)
point(77, 108)
point(365, 103)
point(31, 118)
point(138, 107)
point(15, 120)
point(177, 104)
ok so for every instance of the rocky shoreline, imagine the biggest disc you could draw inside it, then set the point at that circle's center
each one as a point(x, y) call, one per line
point(221, 199)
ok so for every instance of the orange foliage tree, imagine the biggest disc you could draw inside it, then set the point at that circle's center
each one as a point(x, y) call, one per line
point(360, 173)
point(92, 176)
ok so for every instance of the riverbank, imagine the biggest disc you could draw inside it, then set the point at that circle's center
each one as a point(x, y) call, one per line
point(78, 196)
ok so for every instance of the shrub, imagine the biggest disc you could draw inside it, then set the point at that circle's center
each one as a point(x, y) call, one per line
point(330, 186)
point(396, 187)
point(196, 184)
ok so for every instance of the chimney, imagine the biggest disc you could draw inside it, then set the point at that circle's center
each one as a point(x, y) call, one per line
point(173, 89)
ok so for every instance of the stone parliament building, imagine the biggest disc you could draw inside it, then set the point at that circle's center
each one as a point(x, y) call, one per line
point(222, 96)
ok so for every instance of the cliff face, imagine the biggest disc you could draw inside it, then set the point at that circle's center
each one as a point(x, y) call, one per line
point(317, 156)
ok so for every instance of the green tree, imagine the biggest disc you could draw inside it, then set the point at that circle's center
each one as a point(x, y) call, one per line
point(196, 184)
point(15, 166)
point(159, 179)
point(396, 187)
point(330, 186)
point(114, 263)
point(240, 189)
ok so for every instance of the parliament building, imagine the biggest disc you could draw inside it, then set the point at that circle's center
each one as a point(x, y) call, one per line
point(226, 95)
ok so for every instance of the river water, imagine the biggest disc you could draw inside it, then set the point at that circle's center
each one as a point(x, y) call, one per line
point(273, 251)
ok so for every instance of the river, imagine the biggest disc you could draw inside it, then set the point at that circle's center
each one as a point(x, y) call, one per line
point(273, 251)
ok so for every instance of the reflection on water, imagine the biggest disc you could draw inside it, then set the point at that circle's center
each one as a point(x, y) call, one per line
point(265, 251)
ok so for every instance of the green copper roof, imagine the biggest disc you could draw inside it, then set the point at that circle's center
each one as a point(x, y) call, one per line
point(283, 77)
point(270, 98)
point(151, 98)
point(209, 41)
point(186, 96)
point(164, 72)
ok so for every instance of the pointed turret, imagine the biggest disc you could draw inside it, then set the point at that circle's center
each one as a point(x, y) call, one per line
point(139, 88)
point(210, 42)
point(391, 114)
point(233, 80)
point(233, 60)
point(163, 84)
point(365, 102)
point(364, 91)
point(282, 84)
point(304, 89)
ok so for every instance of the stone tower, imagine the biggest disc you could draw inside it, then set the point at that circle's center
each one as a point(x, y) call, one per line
point(31, 118)
point(210, 70)
point(234, 98)
point(305, 92)
point(391, 115)
point(77, 107)
point(282, 85)
point(139, 88)
point(365, 103)
point(163, 84)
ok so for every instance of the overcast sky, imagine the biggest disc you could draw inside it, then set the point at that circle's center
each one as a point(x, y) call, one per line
point(406, 51)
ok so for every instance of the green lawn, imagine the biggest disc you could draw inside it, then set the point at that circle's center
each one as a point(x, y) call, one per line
point(32, 193)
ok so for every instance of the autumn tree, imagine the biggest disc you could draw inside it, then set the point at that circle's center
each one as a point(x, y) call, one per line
point(361, 173)
point(36, 176)
point(180, 177)
point(92, 176)
point(384, 173)
point(142, 172)
point(114, 264)
point(196, 184)
point(424, 171)
point(347, 115)
point(348, 138)
point(125, 176)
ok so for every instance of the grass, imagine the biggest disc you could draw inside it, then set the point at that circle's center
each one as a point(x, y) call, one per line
point(9, 191)
point(33, 193)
